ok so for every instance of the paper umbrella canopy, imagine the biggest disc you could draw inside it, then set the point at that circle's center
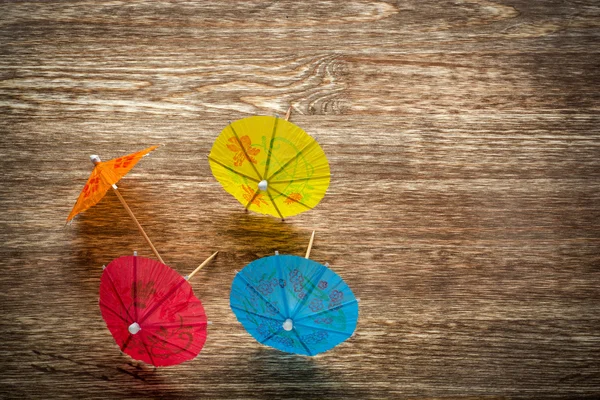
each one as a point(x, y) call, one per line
point(151, 311)
point(270, 166)
point(103, 176)
point(294, 304)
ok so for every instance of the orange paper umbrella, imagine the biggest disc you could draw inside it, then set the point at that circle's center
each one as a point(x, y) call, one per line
point(105, 176)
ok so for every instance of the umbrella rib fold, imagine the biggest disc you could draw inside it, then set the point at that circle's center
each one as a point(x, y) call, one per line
point(112, 284)
point(252, 199)
point(135, 296)
point(176, 325)
point(291, 159)
point(245, 152)
point(275, 205)
point(271, 147)
point(254, 313)
point(262, 341)
point(348, 303)
point(73, 212)
point(148, 351)
point(233, 170)
point(283, 295)
point(161, 301)
point(288, 197)
point(116, 314)
point(315, 283)
point(172, 344)
point(301, 179)
point(302, 343)
point(259, 293)
point(126, 342)
point(322, 329)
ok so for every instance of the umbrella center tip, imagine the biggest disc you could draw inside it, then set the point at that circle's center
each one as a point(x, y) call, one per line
point(262, 185)
point(95, 159)
point(134, 328)
point(288, 325)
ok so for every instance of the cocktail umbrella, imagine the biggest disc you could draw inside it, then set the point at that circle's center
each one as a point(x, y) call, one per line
point(270, 166)
point(151, 311)
point(294, 304)
point(104, 176)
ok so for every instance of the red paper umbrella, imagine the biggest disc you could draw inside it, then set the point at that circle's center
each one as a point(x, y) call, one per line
point(151, 311)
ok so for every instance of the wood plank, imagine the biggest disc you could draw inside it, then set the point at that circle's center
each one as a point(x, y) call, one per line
point(464, 208)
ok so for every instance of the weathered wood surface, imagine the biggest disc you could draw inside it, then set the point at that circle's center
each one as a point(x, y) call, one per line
point(464, 211)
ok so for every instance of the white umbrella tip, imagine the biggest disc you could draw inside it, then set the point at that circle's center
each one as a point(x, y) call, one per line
point(95, 159)
point(288, 325)
point(134, 328)
point(262, 185)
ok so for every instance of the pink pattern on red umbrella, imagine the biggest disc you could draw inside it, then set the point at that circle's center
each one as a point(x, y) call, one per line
point(144, 291)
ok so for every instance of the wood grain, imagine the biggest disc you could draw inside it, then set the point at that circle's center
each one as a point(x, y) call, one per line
point(464, 209)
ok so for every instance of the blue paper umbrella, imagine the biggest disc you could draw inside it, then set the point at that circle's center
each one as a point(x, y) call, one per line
point(294, 304)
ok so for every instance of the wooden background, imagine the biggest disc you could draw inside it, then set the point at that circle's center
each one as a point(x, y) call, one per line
point(464, 139)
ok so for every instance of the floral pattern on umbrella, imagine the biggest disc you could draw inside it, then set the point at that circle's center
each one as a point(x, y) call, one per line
point(105, 174)
point(294, 304)
point(151, 311)
point(285, 165)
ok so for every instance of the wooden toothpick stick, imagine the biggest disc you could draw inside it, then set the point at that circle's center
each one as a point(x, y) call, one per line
point(288, 113)
point(201, 265)
point(122, 200)
point(96, 160)
point(310, 243)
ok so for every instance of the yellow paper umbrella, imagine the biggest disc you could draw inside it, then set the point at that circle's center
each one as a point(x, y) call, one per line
point(270, 166)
